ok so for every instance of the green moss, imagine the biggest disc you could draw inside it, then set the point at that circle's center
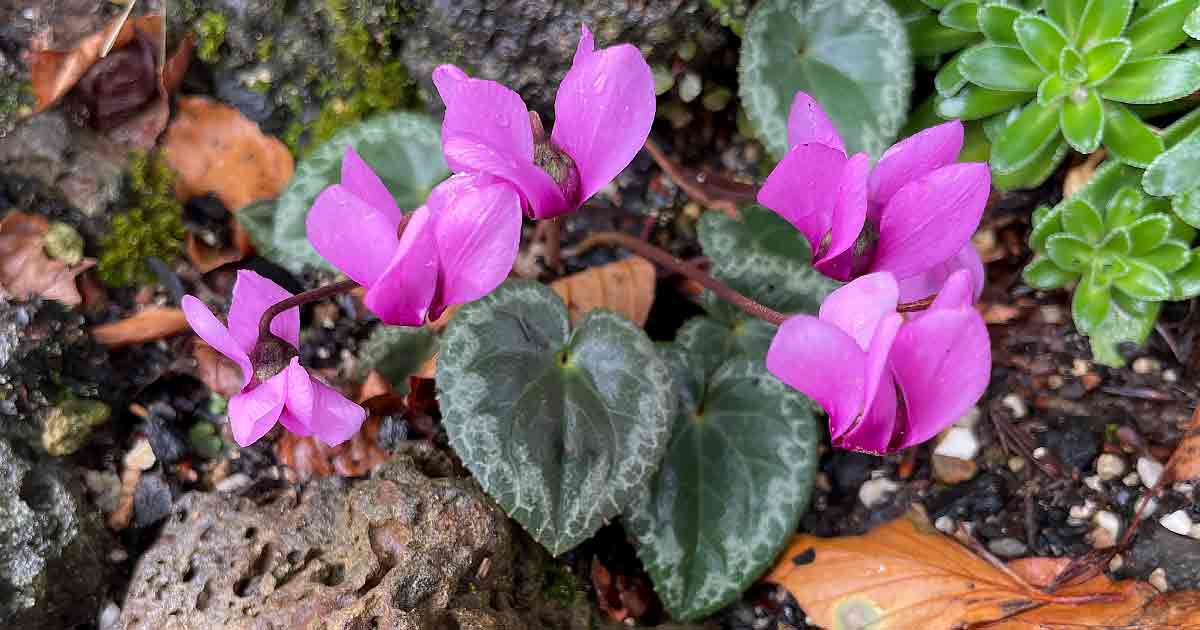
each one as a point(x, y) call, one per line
point(211, 29)
point(264, 48)
point(561, 586)
point(153, 227)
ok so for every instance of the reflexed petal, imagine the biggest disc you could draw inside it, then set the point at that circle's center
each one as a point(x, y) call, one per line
point(360, 179)
point(252, 296)
point(874, 430)
point(942, 363)
point(803, 189)
point(478, 230)
point(544, 197)
point(824, 363)
point(930, 220)
point(253, 412)
point(482, 111)
point(603, 111)
point(857, 308)
point(335, 417)
point(356, 237)
point(215, 334)
point(403, 293)
point(915, 157)
point(808, 123)
point(958, 291)
point(299, 394)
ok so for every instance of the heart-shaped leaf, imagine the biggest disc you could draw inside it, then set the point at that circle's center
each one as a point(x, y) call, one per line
point(727, 333)
point(735, 481)
point(765, 258)
point(563, 428)
point(403, 148)
point(852, 56)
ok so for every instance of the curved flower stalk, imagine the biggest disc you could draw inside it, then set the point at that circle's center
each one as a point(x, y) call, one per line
point(275, 387)
point(887, 380)
point(912, 215)
point(462, 243)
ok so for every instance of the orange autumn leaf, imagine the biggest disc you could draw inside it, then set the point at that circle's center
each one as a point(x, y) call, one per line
point(215, 149)
point(150, 324)
point(1184, 464)
point(26, 270)
point(905, 575)
point(625, 286)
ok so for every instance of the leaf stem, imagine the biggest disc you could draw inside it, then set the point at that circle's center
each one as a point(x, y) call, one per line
point(665, 259)
point(319, 293)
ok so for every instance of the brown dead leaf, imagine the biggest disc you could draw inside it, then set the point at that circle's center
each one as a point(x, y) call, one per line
point(25, 269)
point(1184, 464)
point(905, 575)
point(52, 73)
point(1132, 604)
point(216, 370)
point(1079, 175)
point(355, 457)
point(625, 286)
point(206, 257)
point(215, 149)
point(149, 324)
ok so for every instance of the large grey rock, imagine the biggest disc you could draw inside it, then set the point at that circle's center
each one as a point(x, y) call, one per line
point(52, 546)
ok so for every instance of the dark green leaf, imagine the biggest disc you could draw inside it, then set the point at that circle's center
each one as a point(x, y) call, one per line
point(1082, 120)
point(1090, 304)
point(732, 487)
point(1153, 80)
point(1144, 282)
point(404, 149)
point(1104, 58)
point(1179, 130)
point(1186, 206)
point(1185, 283)
point(1043, 274)
point(1036, 127)
point(1041, 39)
point(996, 22)
point(1044, 164)
point(1066, 13)
point(1122, 325)
point(961, 14)
point(929, 37)
point(1149, 232)
point(1161, 30)
point(713, 340)
point(852, 57)
point(1169, 257)
point(1004, 68)
point(562, 428)
point(973, 103)
point(1069, 252)
point(1128, 138)
point(397, 352)
point(1175, 171)
point(1103, 19)
point(1083, 220)
point(949, 78)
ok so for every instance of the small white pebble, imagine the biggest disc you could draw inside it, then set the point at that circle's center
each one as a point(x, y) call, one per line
point(141, 456)
point(945, 524)
point(1158, 579)
point(1080, 367)
point(1110, 523)
point(1093, 482)
point(958, 442)
point(1016, 464)
point(1016, 405)
point(233, 483)
point(1083, 512)
point(109, 616)
point(1170, 376)
point(1177, 522)
point(117, 556)
point(1110, 466)
point(969, 419)
point(1183, 487)
point(1146, 365)
point(1147, 506)
point(1194, 531)
point(875, 492)
point(1052, 314)
point(1149, 470)
point(1132, 480)
point(1116, 563)
point(1039, 452)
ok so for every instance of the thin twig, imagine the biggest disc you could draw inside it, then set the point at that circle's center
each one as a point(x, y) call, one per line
point(690, 183)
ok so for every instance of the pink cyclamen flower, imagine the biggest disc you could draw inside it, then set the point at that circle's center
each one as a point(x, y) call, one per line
point(912, 215)
point(271, 391)
point(887, 380)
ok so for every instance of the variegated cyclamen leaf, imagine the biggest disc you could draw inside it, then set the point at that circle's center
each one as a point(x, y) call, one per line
point(562, 428)
point(723, 335)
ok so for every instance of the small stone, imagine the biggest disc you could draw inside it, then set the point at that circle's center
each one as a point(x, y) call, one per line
point(958, 442)
point(689, 86)
point(1178, 522)
point(875, 492)
point(1054, 381)
point(1132, 480)
point(1052, 314)
point(1183, 487)
point(1007, 547)
point(109, 616)
point(1082, 513)
point(1093, 482)
point(141, 456)
point(945, 524)
point(952, 470)
point(1146, 505)
point(1146, 365)
point(1080, 367)
point(1039, 452)
point(69, 425)
point(151, 501)
point(63, 242)
point(1108, 527)
point(233, 483)
point(970, 418)
point(1110, 466)
point(1194, 531)
point(1149, 470)
point(1016, 405)
point(105, 488)
point(1016, 463)
point(1158, 579)
point(1116, 564)
point(1170, 376)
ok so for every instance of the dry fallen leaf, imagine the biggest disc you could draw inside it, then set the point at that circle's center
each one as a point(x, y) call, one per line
point(625, 286)
point(149, 324)
point(905, 575)
point(52, 73)
point(216, 370)
point(25, 269)
point(1078, 176)
point(1184, 464)
point(355, 457)
point(215, 149)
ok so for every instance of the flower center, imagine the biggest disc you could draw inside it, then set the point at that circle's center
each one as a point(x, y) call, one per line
point(269, 357)
point(560, 167)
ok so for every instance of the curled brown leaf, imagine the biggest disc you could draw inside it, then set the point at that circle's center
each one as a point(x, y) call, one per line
point(26, 270)
point(149, 324)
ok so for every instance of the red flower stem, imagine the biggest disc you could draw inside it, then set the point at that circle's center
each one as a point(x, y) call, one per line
point(317, 294)
point(665, 259)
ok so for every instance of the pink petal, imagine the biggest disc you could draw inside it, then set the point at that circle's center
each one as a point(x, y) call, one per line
point(483, 111)
point(403, 292)
point(252, 296)
point(858, 307)
point(293, 424)
point(850, 207)
point(957, 292)
point(254, 411)
point(824, 363)
point(941, 362)
point(360, 179)
point(215, 334)
point(929, 220)
point(538, 190)
point(603, 111)
point(478, 230)
point(873, 432)
point(335, 417)
point(929, 282)
point(807, 123)
point(353, 235)
point(915, 157)
point(803, 189)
